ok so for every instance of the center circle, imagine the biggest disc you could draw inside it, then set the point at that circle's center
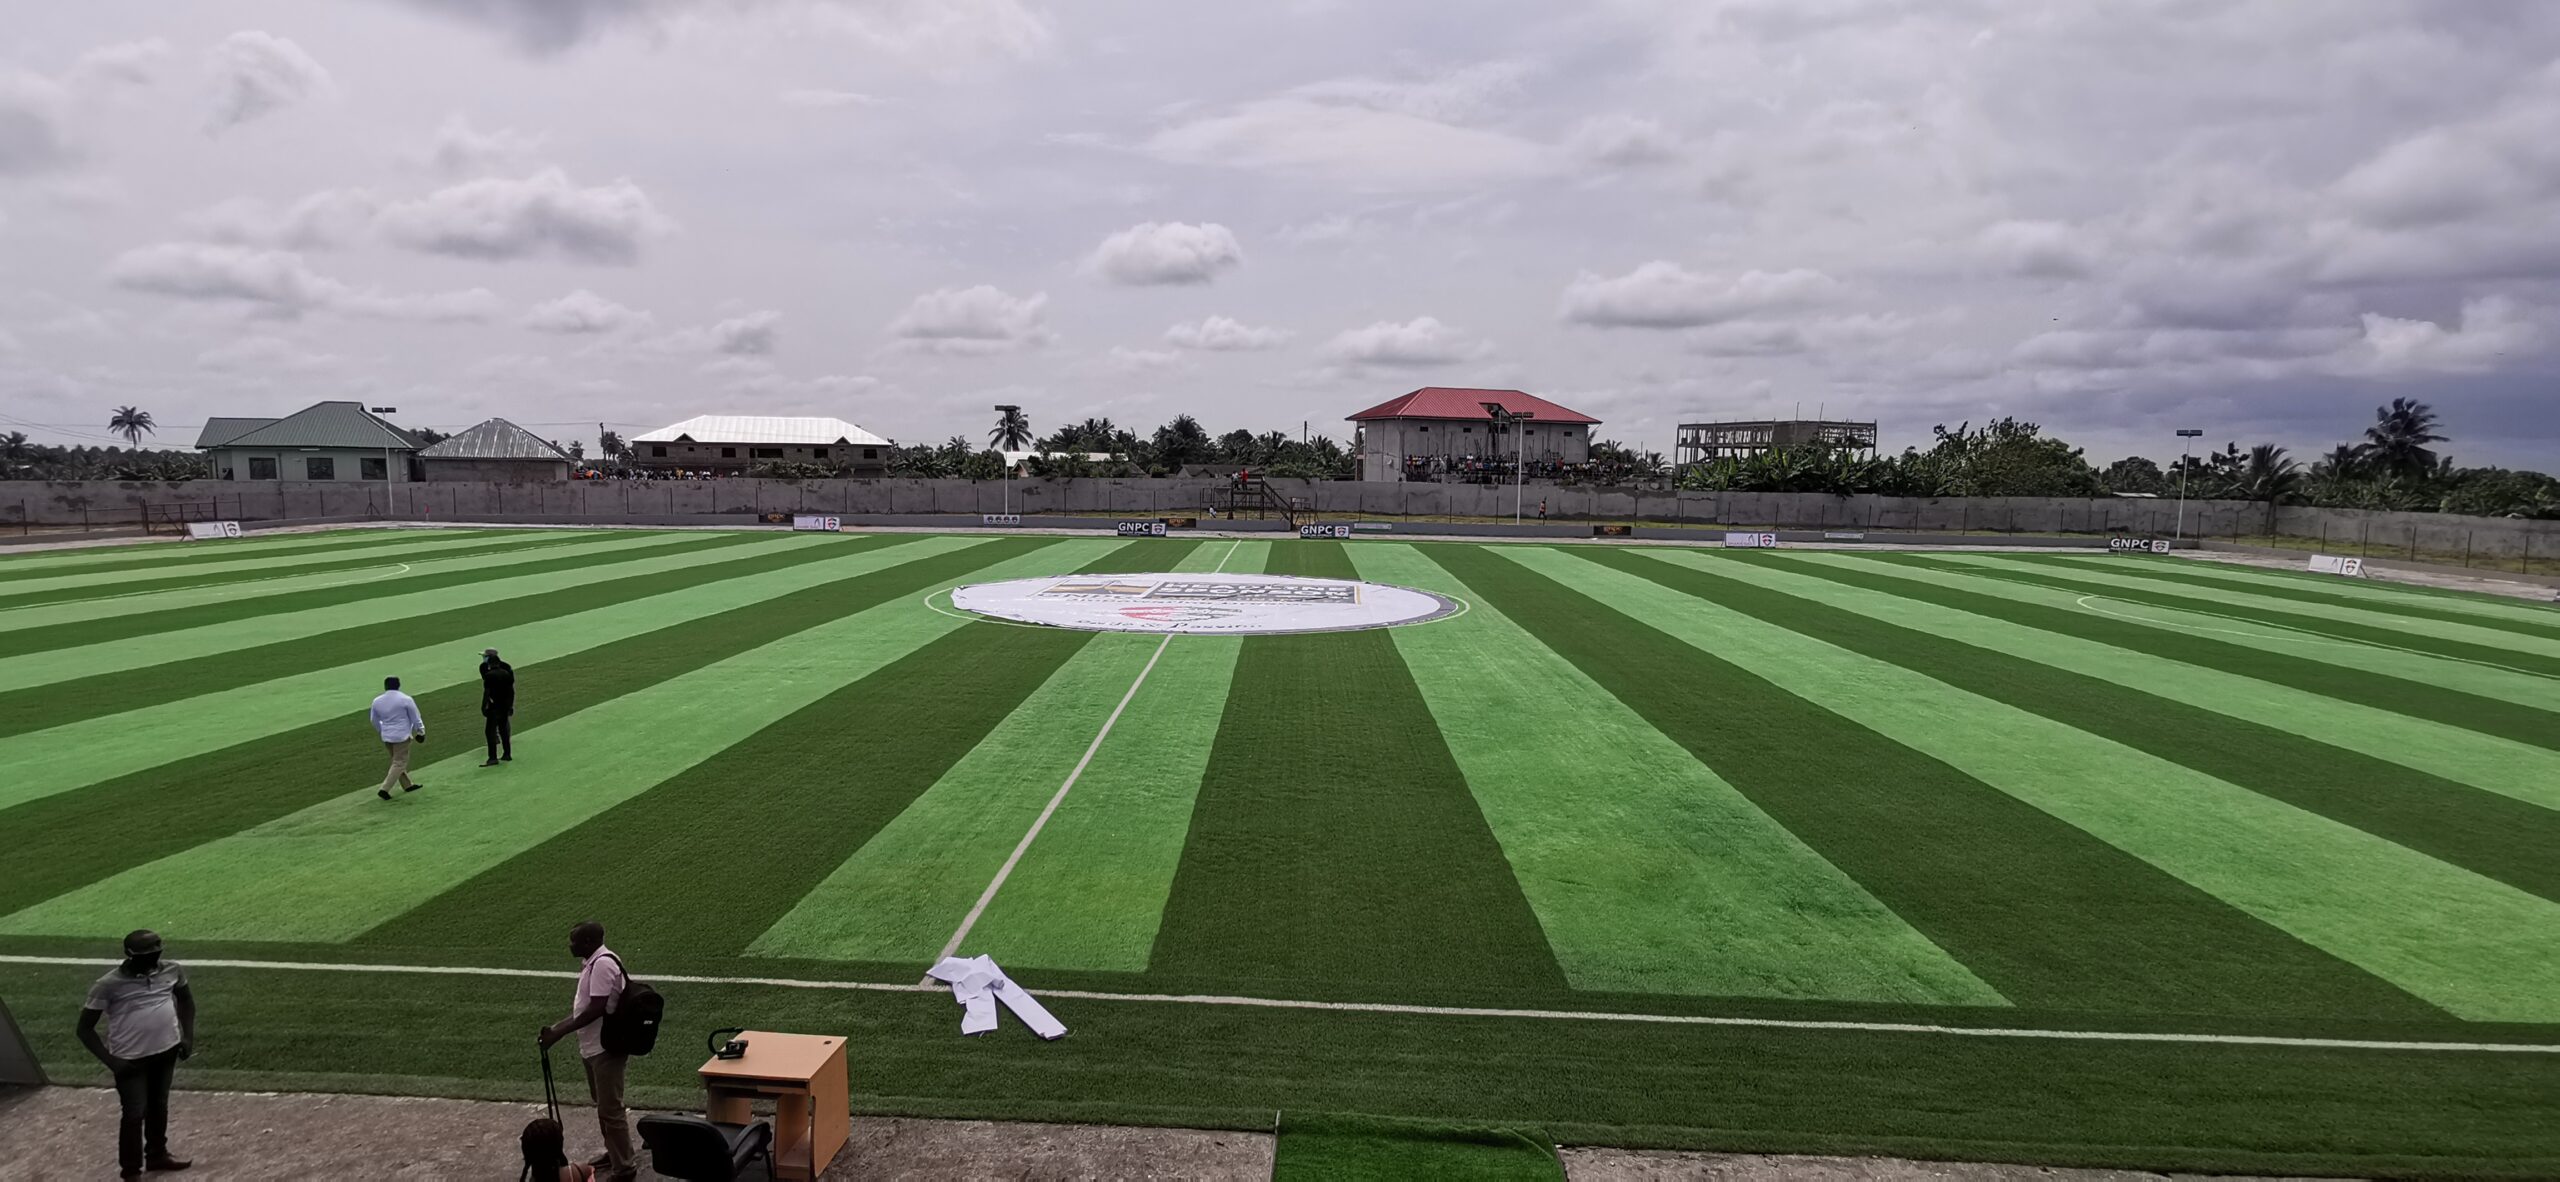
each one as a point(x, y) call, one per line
point(1213, 605)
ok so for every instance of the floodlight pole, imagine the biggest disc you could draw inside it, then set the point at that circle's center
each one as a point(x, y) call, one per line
point(1004, 408)
point(390, 491)
point(2188, 435)
point(1519, 452)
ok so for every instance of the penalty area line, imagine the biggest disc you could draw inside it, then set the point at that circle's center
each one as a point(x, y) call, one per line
point(1360, 1007)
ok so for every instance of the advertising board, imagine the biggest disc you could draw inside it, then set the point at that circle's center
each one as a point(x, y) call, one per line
point(808, 523)
point(1138, 529)
point(2137, 545)
point(201, 530)
point(1743, 541)
point(1335, 530)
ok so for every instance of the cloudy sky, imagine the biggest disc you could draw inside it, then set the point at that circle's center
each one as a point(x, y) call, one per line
point(2258, 218)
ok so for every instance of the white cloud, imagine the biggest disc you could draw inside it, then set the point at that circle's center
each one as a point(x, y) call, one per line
point(929, 29)
point(130, 63)
point(279, 284)
point(1366, 135)
point(820, 98)
point(1624, 141)
point(1126, 359)
point(1223, 334)
point(321, 221)
point(1153, 253)
point(263, 354)
point(981, 319)
point(2041, 250)
point(544, 215)
point(753, 333)
point(460, 149)
point(32, 136)
point(1421, 341)
point(1664, 295)
point(580, 313)
point(256, 74)
point(2491, 328)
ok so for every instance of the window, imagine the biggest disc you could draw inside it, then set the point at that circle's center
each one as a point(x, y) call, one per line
point(657, 453)
point(226, 474)
point(373, 468)
point(262, 467)
point(1426, 427)
point(319, 468)
point(870, 453)
point(728, 453)
point(817, 453)
point(759, 453)
point(1467, 430)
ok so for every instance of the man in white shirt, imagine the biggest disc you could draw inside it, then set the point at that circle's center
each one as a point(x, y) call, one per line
point(600, 982)
point(151, 1024)
point(395, 718)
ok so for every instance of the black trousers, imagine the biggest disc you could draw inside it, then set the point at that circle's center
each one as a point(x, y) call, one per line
point(143, 1090)
point(501, 733)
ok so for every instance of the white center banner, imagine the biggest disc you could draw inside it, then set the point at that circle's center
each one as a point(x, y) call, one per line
point(1214, 605)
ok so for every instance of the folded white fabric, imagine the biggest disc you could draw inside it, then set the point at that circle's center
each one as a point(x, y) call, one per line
point(977, 984)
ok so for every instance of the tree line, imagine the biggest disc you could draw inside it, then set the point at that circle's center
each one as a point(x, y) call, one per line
point(2394, 466)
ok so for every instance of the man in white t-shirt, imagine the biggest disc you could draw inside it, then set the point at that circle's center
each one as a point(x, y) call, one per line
point(395, 718)
point(600, 981)
point(151, 1024)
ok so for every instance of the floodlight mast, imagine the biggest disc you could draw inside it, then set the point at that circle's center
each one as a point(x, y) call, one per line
point(2189, 435)
point(1519, 451)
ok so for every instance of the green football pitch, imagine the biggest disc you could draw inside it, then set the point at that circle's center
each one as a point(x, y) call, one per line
point(2060, 858)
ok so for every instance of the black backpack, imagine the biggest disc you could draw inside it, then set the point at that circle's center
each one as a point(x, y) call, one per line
point(631, 1026)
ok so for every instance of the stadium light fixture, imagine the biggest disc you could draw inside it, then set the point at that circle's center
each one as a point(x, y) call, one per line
point(2190, 435)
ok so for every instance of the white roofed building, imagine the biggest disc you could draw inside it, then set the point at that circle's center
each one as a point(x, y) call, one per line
point(735, 443)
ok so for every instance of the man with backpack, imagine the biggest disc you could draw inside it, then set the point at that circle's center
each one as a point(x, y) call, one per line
point(601, 982)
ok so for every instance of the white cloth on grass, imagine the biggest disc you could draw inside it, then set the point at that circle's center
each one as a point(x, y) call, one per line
point(977, 984)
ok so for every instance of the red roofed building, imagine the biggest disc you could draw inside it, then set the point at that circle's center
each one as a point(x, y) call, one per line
point(1446, 433)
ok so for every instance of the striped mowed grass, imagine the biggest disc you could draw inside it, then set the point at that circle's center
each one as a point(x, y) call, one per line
point(2061, 794)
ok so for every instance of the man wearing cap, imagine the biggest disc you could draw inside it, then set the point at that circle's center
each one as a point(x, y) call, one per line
point(498, 706)
point(151, 1024)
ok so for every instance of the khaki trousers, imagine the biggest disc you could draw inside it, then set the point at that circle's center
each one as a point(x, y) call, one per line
point(398, 777)
point(604, 1083)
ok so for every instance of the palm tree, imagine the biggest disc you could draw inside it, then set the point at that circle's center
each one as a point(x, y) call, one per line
point(13, 446)
point(2397, 441)
point(609, 443)
point(1012, 431)
point(131, 423)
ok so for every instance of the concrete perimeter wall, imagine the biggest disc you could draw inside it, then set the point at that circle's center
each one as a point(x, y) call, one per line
point(108, 504)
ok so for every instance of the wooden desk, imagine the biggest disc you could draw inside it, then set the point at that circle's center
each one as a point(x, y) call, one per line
point(805, 1076)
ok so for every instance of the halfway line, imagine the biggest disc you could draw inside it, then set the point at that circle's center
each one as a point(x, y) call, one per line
point(2260, 1040)
point(1006, 871)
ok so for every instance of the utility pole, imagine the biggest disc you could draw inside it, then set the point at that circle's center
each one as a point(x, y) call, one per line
point(2188, 434)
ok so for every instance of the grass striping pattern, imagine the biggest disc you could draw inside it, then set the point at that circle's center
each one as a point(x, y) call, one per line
point(78, 625)
point(128, 687)
point(1294, 872)
point(2535, 664)
point(265, 548)
point(2478, 948)
point(1648, 873)
point(2518, 616)
point(336, 868)
point(256, 628)
point(2446, 692)
point(2203, 678)
point(902, 893)
point(67, 586)
point(2047, 914)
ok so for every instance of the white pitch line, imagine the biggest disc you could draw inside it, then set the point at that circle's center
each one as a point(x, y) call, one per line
point(1024, 846)
point(1363, 1007)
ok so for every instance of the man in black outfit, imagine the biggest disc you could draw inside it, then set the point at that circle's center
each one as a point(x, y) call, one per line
point(498, 706)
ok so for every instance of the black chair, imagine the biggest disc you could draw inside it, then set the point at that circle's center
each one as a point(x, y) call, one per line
point(698, 1150)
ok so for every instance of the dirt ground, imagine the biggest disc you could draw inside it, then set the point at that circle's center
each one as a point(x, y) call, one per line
point(70, 1133)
